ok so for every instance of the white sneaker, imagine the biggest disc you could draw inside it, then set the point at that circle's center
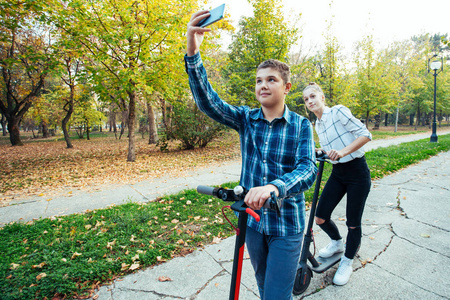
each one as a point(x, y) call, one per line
point(344, 271)
point(332, 248)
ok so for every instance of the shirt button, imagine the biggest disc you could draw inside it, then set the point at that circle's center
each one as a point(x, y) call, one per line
point(270, 127)
point(264, 161)
point(264, 178)
point(266, 143)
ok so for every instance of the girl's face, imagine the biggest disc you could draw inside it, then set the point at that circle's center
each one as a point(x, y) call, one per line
point(314, 100)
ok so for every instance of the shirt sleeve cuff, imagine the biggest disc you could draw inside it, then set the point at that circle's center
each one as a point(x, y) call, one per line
point(192, 61)
point(281, 186)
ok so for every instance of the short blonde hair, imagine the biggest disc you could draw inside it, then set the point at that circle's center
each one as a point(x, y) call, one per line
point(314, 86)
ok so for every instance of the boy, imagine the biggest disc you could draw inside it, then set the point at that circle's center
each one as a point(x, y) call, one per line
point(277, 155)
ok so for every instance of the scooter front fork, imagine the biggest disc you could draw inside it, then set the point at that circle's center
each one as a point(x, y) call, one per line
point(238, 256)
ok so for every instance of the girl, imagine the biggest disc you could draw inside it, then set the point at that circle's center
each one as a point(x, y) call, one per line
point(342, 136)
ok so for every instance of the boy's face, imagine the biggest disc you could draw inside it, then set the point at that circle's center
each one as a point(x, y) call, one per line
point(270, 89)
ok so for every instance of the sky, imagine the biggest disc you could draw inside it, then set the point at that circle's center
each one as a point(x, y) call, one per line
point(386, 20)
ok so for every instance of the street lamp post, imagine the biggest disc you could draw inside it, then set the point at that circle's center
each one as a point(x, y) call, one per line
point(435, 66)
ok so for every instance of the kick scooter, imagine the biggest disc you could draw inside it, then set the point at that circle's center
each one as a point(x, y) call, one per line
point(237, 195)
point(319, 264)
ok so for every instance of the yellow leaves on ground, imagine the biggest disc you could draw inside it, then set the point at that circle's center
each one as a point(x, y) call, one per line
point(50, 166)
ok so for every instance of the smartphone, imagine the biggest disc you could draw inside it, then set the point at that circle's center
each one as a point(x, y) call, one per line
point(216, 15)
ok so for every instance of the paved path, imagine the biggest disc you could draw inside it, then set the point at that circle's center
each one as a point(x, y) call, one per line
point(76, 201)
point(405, 251)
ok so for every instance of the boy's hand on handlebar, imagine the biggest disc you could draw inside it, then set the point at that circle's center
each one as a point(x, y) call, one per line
point(194, 34)
point(257, 196)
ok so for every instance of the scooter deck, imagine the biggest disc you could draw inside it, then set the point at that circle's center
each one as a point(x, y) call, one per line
point(326, 263)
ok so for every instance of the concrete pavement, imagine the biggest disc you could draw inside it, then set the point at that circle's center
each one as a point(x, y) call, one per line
point(405, 249)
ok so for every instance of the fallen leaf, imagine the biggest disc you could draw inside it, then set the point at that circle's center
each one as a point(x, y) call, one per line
point(40, 276)
point(134, 266)
point(164, 278)
point(136, 257)
point(76, 254)
point(424, 235)
point(14, 266)
point(42, 264)
point(216, 240)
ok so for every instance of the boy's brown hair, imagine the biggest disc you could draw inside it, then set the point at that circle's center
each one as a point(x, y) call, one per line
point(280, 66)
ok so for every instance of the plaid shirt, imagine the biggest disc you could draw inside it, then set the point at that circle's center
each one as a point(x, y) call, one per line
point(338, 128)
point(280, 152)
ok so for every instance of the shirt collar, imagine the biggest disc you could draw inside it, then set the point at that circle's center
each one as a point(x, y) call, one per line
point(258, 114)
point(326, 111)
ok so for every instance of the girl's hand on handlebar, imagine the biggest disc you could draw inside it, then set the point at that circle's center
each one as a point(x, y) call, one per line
point(257, 196)
point(335, 154)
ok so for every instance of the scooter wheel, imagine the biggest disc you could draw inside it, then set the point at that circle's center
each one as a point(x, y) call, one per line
point(300, 287)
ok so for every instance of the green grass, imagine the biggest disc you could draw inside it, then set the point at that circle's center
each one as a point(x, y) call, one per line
point(67, 256)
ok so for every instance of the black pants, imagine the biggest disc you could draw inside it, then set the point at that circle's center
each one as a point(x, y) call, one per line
point(351, 178)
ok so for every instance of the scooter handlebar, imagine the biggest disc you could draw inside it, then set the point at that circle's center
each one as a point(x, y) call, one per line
point(207, 190)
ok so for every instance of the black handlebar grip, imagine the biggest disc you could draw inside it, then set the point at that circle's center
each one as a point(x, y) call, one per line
point(207, 190)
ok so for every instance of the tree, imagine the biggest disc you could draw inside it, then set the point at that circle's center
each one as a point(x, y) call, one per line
point(265, 35)
point(126, 41)
point(329, 64)
point(25, 60)
point(376, 87)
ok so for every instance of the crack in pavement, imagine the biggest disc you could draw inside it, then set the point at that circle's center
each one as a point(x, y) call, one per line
point(412, 283)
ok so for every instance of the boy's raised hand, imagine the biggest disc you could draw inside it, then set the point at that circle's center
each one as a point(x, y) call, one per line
point(195, 33)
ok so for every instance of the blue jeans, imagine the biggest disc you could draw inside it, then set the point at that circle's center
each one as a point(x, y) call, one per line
point(275, 260)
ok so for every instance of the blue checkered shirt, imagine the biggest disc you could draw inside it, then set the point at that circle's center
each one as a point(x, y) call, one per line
point(280, 152)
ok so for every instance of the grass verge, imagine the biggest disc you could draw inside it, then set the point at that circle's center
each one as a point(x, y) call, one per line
point(69, 256)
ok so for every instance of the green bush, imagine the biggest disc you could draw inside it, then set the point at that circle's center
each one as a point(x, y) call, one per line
point(192, 127)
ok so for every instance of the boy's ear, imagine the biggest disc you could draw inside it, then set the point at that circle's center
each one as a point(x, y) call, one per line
point(287, 88)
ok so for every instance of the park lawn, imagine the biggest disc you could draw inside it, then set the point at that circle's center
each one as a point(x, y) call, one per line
point(71, 255)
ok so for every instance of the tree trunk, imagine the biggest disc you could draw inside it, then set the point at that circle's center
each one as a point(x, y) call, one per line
point(131, 127)
point(123, 123)
point(163, 111)
point(5, 132)
point(66, 119)
point(44, 130)
point(417, 118)
point(87, 130)
point(14, 132)
point(152, 129)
